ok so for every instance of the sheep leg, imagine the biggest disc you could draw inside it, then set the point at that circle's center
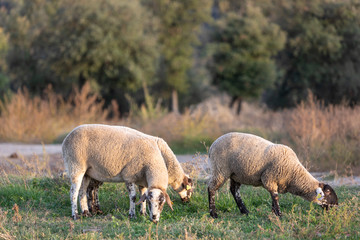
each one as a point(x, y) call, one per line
point(83, 197)
point(235, 191)
point(93, 196)
point(275, 203)
point(214, 184)
point(132, 195)
point(142, 204)
point(74, 193)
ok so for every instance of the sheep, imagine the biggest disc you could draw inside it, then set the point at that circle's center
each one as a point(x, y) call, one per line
point(178, 180)
point(115, 154)
point(251, 160)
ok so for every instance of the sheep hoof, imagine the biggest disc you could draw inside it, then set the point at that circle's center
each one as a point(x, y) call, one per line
point(244, 212)
point(132, 215)
point(143, 213)
point(86, 213)
point(277, 213)
point(214, 215)
point(99, 212)
point(75, 216)
point(96, 211)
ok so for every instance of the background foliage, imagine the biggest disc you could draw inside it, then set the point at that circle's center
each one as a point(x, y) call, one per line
point(274, 51)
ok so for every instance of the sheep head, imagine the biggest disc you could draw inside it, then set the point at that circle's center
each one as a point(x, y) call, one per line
point(186, 189)
point(156, 199)
point(326, 196)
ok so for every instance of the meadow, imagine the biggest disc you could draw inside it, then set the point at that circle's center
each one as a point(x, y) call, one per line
point(34, 199)
point(39, 208)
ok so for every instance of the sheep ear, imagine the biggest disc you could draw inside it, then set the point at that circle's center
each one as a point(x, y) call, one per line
point(187, 183)
point(168, 201)
point(142, 198)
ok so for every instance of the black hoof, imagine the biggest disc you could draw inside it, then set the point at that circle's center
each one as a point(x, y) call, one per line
point(244, 212)
point(214, 215)
point(86, 213)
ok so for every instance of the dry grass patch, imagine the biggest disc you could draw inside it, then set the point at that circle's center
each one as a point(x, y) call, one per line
point(35, 119)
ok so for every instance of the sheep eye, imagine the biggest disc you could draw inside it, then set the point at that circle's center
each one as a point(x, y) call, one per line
point(161, 198)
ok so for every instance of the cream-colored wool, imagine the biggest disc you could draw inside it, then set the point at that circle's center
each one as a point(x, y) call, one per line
point(175, 171)
point(252, 160)
point(115, 154)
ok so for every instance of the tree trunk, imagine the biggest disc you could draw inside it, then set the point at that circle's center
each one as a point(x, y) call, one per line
point(235, 99)
point(175, 103)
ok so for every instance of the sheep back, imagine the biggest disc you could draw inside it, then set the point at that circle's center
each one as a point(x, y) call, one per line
point(252, 160)
point(114, 153)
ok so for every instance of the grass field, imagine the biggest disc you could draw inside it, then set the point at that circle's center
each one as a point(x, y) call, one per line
point(39, 208)
point(36, 206)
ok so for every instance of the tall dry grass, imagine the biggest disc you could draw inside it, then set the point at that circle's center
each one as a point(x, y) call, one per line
point(33, 119)
point(324, 137)
point(327, 136)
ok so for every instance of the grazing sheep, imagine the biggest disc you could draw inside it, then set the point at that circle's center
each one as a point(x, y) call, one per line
point(178, 180)
point(115, 154)
point(252, 160)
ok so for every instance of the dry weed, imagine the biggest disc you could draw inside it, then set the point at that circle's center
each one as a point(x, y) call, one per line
point(17, 217)
point(324, 135)
point(34, 119)
point(4, 233)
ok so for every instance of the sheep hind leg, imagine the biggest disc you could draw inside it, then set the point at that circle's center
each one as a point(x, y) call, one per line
point(214, 184)
point(74, 193)
point(235, 191)
point(83, 198)
point(142, 204)
point(132, 195)
point(93, 196)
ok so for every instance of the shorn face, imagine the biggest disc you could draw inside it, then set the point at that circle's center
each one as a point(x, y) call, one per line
point(156, 199)
point(186, 189)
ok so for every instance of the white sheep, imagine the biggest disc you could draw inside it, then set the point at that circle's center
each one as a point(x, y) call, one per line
point(178, 180)
point(115, 154)
point(251, 160)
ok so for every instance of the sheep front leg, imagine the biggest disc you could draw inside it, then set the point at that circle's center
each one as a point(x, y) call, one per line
point(132, 195)
point(142, 204)
point(275, 203)
point(235, 191)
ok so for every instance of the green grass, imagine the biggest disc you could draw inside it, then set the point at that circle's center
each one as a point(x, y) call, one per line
point(191, 145)
point(44, 208)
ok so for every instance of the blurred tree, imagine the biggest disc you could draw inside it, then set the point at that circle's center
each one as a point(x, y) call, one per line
point(243, 46)
point(180, 22)
point(4, 80)
point(110, 43)
point(321, 54)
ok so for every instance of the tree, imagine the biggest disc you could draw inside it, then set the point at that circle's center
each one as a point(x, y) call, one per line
point(110, 43)
point(180, 22)
point(4, 80)
point(321, 53)
point(242, 49)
